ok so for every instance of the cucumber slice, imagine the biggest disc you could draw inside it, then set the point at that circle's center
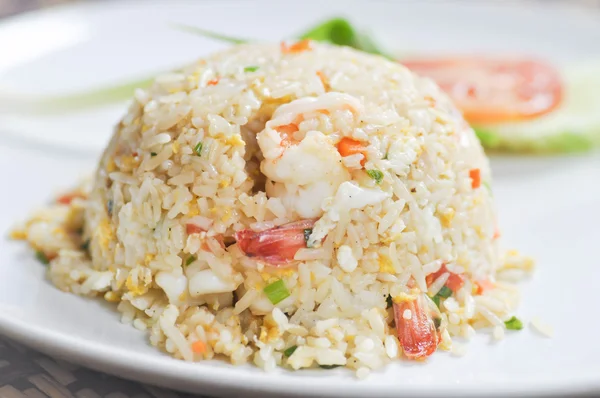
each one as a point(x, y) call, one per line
point(573, 127)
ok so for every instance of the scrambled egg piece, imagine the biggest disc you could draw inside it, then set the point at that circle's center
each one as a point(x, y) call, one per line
point(385, 265)
point(105, 234)
point(447, 217)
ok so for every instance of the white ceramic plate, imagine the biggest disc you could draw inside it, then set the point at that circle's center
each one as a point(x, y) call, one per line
point(550, 208)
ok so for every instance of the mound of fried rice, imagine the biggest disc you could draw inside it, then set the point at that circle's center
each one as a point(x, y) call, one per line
point(299, 205)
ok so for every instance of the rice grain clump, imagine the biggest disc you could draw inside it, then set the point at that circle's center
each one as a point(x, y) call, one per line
point(301, 206)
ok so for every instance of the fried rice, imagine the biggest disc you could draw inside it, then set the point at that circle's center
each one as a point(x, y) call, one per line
point(299, 205)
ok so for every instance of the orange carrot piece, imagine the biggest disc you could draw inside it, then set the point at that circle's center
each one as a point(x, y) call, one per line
point(483, 285)
point(298, 47)
point(199, 347)
point(348, 146)
point(475, 175)
point(213, 82)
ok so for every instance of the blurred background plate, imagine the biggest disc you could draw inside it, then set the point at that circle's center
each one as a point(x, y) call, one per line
point(94, 44)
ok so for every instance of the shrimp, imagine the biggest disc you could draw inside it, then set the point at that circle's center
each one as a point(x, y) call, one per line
point(418, 325)
point(276, 246)
point(303, 170)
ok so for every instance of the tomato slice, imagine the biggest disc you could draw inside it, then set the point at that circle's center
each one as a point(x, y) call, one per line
point(493, 90)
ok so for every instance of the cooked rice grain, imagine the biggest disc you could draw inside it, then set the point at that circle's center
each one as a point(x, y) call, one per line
point(210, 150)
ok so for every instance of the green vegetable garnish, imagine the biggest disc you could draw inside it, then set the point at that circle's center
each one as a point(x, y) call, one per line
point(210, 34)
point(198, 149)
point(85, 245)
point(153, 154)
point(251, 68)
point(288, 352)
point(389, 301)
point(276, 291)
point(376, 175)
point(444, 292)
point(329, 366)
point(514, 324)
point(190, 260)
point(340, 31)
point(487, 186)
point(42, 258)
point(436, 300)
point(307, 233)
point(437, 322)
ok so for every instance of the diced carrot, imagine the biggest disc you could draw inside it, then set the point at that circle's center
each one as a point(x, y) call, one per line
point(496, 233)
point(454, 282)
point(322, 78)
point(199, 347)
point(192, 229)
point(213, 82)
point(348, 146)
point(475, 175)
point(302, 45)
point(483, 285)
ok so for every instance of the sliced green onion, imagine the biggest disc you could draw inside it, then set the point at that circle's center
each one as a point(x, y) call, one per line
point(437, 322)
point(85, 245)
point(42, 258)
point(444, 292)
point(109, 207)
point(488, 186)
point(436, 300)
point(251, 68)
point(153, 154)
point(376, 175)
point(307, 233)
point(198, 148)
point(190, 260)
point(389, 301)
point(288, 353)
point(276, 291)
point(514, 324)
point(329, 366)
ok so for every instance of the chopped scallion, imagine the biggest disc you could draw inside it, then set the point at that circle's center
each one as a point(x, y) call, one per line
point(153, 154)
point(307, 233)
point(444, 292)
point(190, 260)
point(276, 291)
point(437, 322)
point(251, 68)
point(109, 207)
point(198, 149)
point(514, 323)
point(288, 352)
point(85, 245)
point(436, 300)
point(42, 258)
point(389, 301)
point(376, 175)
point(329, 366)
